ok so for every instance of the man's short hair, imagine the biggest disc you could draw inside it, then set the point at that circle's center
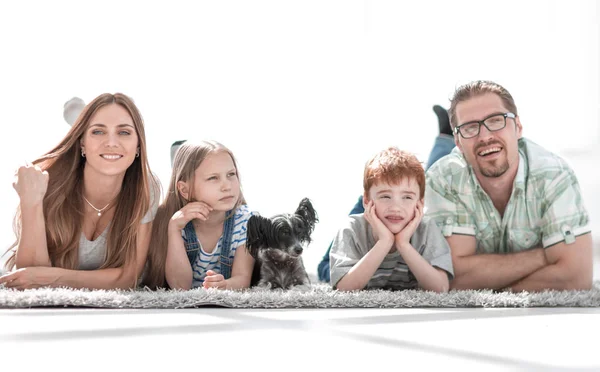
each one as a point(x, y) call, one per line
point(477, 88)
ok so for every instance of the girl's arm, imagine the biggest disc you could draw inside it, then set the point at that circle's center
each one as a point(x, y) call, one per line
point(178, 270)
point(114, 278)
point(241, 272)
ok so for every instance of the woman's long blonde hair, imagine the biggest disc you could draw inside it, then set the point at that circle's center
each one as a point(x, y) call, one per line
point(187, 159)
point(63, 202)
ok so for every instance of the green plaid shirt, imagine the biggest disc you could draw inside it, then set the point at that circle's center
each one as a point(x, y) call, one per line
point(546, 206)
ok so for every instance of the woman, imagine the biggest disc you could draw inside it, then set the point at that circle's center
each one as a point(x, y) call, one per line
point(86, 206)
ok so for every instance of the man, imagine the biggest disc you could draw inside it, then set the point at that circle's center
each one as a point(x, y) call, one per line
point(511, 211)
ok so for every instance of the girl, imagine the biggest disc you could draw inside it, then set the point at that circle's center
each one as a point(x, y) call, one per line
point(199, 235)
point(86, 206)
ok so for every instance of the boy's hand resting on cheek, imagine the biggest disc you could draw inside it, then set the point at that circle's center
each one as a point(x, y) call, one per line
point(402, 239)
point(380, 231)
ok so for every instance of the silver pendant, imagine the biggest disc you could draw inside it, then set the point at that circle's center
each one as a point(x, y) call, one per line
point(99, 214)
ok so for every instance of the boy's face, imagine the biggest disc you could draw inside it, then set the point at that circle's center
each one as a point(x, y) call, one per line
point(395, 205)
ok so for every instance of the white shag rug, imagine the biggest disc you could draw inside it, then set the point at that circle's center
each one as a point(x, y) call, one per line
point(314, 296)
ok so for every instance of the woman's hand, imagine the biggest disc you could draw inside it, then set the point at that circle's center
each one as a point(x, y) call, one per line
point(193, 210)
point(31, 184)
point(30, 277)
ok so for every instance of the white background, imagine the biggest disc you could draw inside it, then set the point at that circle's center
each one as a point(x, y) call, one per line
point(303, 92)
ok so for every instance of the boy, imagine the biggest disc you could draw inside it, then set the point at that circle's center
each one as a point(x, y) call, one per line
point(391, 245)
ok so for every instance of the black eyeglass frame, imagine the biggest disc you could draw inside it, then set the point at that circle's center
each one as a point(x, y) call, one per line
point(482, 122)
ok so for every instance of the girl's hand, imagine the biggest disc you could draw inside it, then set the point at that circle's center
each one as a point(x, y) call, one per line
point(214, 280)
point(192, 210)
point(31, 184)
point(380, 231)
point(30, 277)
point(402, 239)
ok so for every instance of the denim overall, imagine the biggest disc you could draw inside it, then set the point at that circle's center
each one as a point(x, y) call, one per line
point(192, 246)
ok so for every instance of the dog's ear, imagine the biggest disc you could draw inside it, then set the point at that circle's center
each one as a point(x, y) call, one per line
point(257, 234)
point(308, 214)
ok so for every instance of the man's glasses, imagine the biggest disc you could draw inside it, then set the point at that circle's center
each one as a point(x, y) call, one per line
point(492, 123)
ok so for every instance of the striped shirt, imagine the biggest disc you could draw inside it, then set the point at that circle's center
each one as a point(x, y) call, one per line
point(545, 208)
point(356, 239)
point(210, 261)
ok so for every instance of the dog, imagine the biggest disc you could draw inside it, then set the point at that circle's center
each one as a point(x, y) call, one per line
point(276, 244)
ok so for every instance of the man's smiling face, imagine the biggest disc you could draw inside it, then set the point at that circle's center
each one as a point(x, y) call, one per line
point(491, 154)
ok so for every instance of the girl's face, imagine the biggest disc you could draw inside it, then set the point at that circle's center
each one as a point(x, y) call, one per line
point(216, 182)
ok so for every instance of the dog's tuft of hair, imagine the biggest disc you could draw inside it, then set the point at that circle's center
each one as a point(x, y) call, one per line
point(276, 244)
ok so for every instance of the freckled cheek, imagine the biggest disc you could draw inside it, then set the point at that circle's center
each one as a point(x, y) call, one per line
point(379, 210)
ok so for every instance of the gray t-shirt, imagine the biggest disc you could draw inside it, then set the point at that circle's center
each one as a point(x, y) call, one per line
point(355, 240)
point(92, 254)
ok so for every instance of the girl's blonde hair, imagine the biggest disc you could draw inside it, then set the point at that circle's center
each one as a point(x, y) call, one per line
point(63, 202)
point(187, 159)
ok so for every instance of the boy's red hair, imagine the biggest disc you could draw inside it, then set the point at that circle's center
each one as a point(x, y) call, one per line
point(392, 166)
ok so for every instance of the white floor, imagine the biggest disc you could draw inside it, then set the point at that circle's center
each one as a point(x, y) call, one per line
point(540, 339)
point(345, 340)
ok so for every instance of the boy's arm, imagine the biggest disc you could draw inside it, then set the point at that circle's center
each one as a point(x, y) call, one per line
point(362, 271)
point(359, 275)
point(430, 278)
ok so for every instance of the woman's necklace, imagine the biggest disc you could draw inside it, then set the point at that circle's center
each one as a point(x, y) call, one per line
point(96, 209)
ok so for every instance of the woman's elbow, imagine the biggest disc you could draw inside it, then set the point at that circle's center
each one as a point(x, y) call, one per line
point(126, 281)
point(23, 263)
